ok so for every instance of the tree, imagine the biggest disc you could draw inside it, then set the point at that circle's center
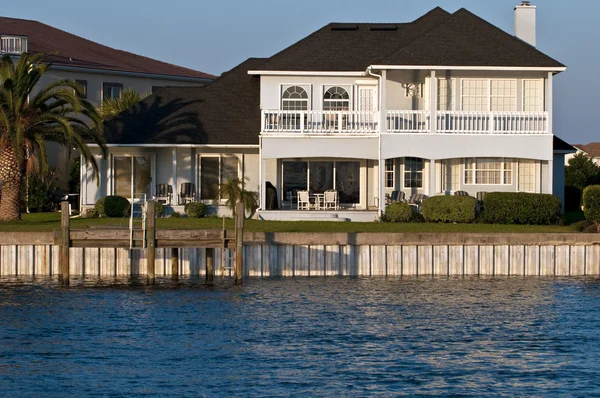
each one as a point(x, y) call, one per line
point(112, 107)
point(581, 172)
point(591, 204)
point(234, 191)
point(57, 113)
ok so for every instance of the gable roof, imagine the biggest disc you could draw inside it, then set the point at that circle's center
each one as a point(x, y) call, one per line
point(436, 38)
point(592, 149)
point(66, 49)
point(562, 146)
point(226, 111)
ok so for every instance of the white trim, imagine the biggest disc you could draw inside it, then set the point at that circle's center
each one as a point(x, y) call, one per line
point(132, 74)
point(471, 68)
point(303, 73)
point(176, 146)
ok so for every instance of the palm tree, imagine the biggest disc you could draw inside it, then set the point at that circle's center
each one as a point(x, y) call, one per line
point(57, 113)
point(234, 191)
point(112, 107)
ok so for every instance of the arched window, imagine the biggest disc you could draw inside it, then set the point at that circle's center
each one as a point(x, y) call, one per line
point(294, 98)
point(336, 99)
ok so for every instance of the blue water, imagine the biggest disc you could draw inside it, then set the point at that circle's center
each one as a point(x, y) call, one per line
point(304, 337)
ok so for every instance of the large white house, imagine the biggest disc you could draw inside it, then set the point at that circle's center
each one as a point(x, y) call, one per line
point(445, 103)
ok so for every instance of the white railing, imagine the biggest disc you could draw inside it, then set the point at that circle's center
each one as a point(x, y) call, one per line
point(461, 122)
point(277, 121)
point(10, 44)
point(408, 122)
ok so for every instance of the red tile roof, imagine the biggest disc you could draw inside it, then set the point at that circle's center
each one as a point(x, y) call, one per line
point(70, 50)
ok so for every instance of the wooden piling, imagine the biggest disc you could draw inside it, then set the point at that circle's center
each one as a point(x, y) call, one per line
point(65, 225)
point(151, 242)
point(175, 263)
point(240, 215)
point(210, 268)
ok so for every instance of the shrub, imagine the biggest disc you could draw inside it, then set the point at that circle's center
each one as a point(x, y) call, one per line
point(455, 209)
point(195, 209)
point(160, 209)
point(116, 206)
point(91, 213)
point(175, 214)
point(591, 204)
point(99, 207)
point(521, 208)
point(398, 212)
point(572, 198)
point(42, 193)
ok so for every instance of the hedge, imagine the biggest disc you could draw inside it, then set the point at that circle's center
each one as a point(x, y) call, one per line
point(521, 208)
point(591, 204)
point(195, 209)
point(454, 209)
point(398, 212)
point(116, 206)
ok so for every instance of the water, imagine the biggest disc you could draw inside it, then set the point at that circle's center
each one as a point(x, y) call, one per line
point(304, 337)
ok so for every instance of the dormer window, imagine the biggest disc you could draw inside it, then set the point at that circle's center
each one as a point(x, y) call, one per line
point(294, 98)
point(11, 44)
point(336, 99)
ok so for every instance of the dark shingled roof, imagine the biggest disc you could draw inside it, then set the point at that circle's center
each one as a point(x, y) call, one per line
point(70, 50)
point(437, 38)
point(560, 145)
point(224, 112)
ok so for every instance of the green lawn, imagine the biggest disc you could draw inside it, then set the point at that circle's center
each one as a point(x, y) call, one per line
point(50, 221)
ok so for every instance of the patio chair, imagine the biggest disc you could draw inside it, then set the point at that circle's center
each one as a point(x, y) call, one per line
point(461, 193)
point(187, 193)
point(416, 199)
point(395, 197)
point(164, 193)
point(303, 200)
point(331, 200)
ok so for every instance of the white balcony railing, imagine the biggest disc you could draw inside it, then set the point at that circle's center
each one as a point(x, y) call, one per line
point(10, 44)
point(277, 121)
point(461, 122)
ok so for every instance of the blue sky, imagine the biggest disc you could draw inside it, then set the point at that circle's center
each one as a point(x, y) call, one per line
point(214, 36)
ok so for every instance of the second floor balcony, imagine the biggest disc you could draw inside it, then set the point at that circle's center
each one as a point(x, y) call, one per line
point(404, 122)
point(11, 44)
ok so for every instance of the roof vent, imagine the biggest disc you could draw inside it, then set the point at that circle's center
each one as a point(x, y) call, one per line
point(344, 26)
point(11, 44)
point(384, 27)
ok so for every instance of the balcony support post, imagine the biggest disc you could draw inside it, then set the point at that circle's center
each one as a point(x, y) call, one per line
point(433, 103)
point(549, 106)
point(432, 177)
point(382, 129)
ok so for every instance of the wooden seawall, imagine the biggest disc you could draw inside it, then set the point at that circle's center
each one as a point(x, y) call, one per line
point(315, 254)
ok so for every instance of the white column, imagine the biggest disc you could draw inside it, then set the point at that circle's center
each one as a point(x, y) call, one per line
point(175, 187)
point(432, 190)
point(263, 178)
point(382, 129)
point(549, 106)
point(433, 102)
point(550, 177)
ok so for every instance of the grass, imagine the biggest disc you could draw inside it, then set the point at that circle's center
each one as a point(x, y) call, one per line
point(40, 222)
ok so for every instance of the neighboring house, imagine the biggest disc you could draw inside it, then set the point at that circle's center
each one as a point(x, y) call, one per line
point(103, 72)
point(445, 103)
point(591, 150)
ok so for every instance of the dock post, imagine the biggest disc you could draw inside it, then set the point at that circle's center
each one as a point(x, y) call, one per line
point(175, 263)
point(210, 267)
point(65, 233)
point(151, 242)
point(240, 215)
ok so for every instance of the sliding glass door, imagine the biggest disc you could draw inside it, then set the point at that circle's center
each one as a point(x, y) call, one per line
point(133, 176)
point(319, 176)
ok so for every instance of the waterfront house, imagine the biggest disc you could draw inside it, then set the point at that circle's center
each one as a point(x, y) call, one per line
point(442, 104)
point(591, 150)
point(103, 72)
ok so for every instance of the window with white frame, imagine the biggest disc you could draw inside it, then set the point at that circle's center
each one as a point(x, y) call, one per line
point(474, 95)
point(336, 99)
point(446, 94)
point(132, 175)
point(111, 91)
point(527, 175)
point(413, 173)
point(451, 175)
point(503, 95)
point(533, 95)
point(390, 170)
point(488, 171)
point(294, 98)
point(216, 170)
